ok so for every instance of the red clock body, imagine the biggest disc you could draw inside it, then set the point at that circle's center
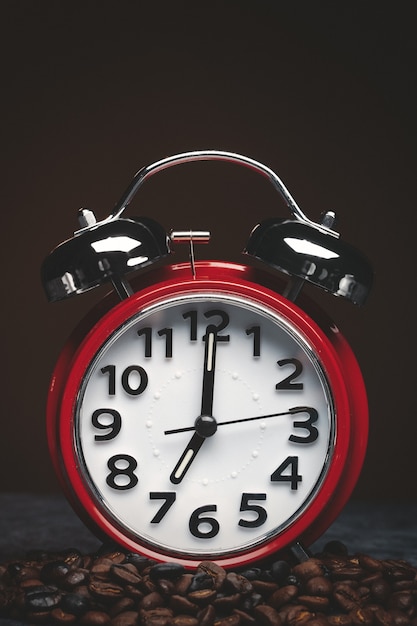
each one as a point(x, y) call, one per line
point(207, 417)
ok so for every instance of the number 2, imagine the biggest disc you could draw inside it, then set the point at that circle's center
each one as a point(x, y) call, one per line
point(288, 382)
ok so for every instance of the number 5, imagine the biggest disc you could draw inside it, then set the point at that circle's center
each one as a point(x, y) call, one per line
point(246, 505)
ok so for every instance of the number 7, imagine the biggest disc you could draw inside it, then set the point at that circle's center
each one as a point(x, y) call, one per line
point(169, 497)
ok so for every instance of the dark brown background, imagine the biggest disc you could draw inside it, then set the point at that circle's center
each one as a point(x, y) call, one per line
point(322, 92)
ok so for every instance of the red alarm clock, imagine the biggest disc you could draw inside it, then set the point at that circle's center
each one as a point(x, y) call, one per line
point(201, 413)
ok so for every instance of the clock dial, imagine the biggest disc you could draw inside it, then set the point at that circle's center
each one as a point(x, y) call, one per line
point(204, 425)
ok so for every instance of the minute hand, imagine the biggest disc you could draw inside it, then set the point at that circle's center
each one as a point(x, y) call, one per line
point(208, 372)
point(293, 411)
point(205, 424)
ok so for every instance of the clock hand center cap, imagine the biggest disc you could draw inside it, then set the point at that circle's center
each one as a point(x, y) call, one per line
point(205, 425)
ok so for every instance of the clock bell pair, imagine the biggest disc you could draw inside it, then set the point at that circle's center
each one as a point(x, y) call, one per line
point(207, 410)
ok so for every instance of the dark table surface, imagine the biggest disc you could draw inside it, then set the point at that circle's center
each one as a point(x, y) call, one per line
point(383, 530)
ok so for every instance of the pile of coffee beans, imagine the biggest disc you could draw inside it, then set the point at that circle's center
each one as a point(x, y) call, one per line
point(118, 589)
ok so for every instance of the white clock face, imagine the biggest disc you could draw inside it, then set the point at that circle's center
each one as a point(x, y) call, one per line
point(204, 425)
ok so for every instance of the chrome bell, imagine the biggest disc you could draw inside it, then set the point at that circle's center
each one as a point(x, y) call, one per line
point(102, 252)
point(311, 254)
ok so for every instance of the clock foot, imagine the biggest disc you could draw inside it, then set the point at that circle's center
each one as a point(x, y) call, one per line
point(299, 552)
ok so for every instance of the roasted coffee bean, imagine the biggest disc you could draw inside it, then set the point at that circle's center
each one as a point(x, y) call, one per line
point(346, 597)
point(152, 600)
point(113, 555)
point(319, 586)
point(183, 583)
point(252, 574)
point(166, 587)
point(133, 592)
point(170, 571)
point(348, 573)
point(298, 615)
point(127, 618)
point(283, 596)
point(266, 575)
point(368, 563)
point(156, 617)
point(74, 578)
point(364, 593)
point(267, 615)
point(180, 604)
point(201, 597)
point(226, 603)
point(308, 569)
point(101, 568)
point(125, 574)
point(105, 591)
point(75, 603)
point(201, 580)
point(217, 573)
point(146, 585)
point(370, 578)
point(140, 562)
point(280, 570)
point(361, 616)
point(264, 587)
point(72, 557)
point(237, 583)
point(42, 598)
point(315, 603)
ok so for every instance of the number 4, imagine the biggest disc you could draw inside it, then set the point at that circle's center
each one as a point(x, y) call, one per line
point(293, 477)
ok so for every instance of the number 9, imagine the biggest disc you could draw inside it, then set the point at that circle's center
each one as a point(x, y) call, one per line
point(114, 426)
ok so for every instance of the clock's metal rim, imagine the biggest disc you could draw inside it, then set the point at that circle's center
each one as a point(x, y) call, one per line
point(207, 295)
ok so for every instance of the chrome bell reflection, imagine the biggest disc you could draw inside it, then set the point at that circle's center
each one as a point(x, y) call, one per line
point(102, 252)
point(311, 254)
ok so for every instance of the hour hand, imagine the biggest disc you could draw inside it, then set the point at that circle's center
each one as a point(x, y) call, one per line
point(205, 426)
point(186, 458)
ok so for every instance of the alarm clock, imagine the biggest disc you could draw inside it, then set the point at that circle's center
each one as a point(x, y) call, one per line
point(207, 410)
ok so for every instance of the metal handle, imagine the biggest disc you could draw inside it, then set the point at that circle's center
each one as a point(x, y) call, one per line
point(213, 155)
